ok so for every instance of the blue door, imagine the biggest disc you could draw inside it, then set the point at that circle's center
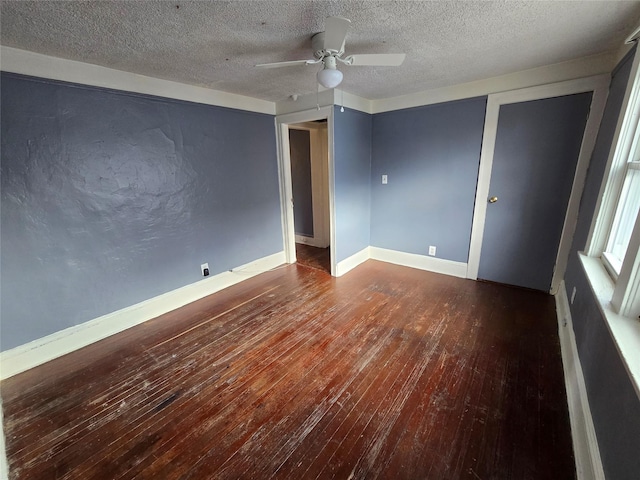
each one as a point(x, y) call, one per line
point(536, 152)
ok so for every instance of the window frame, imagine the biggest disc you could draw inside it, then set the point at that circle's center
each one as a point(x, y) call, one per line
point(618, 299)
point(613, 263)
point(625, 299)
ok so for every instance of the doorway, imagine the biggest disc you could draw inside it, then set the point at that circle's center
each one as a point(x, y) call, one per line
point(308, 222)
point(308, 154)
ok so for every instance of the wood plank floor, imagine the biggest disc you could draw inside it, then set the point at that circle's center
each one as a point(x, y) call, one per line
point(387, 372)
point(313, 257)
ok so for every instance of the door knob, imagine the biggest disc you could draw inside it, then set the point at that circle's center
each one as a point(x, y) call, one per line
point(493, 199)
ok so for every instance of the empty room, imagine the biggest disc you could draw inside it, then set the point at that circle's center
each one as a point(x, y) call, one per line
point(319, 239)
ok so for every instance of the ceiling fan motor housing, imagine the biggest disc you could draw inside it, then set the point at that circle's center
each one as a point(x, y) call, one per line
point(317, 45)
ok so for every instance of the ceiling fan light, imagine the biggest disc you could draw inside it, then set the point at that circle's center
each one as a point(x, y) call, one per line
point(329, 78)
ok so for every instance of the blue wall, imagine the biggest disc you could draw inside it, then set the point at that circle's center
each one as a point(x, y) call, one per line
point(613, 401)
point(431, 155)
point(110, 198)
point(352, 173)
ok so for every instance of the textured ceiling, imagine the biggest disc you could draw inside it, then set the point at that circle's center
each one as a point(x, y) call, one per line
point(215, 44)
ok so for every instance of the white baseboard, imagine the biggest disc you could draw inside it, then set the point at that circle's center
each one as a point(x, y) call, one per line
point(314, 242)
point(585, 443)
point(421, 262)
point(37, 352)
point(352, 262)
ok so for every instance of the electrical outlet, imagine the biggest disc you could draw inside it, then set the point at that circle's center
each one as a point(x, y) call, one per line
point(204, 268)
point(573, 295)
point(432, 250)
point(384, 179)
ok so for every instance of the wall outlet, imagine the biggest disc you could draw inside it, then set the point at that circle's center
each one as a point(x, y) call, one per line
point(432, 250)
point(204, 268)
point(384, 179)
point(573, 295)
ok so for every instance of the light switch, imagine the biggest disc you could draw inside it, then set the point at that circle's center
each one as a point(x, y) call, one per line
point(384, 179)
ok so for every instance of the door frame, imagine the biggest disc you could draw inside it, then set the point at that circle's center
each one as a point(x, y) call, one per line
point(599, 85)
point(282, 123)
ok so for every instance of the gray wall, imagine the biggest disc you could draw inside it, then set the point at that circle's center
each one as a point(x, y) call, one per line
point(300, 153)
point(352, 194)
point(614, 404)
point(431, 155)
point(110, 198)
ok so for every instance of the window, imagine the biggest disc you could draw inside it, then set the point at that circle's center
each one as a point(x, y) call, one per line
point(615, 236)
point(626, 212)
point(612, 260)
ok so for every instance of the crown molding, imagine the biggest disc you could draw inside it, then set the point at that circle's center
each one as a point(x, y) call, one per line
point(44, 66)
point(305, 102)
point(324, 98)
point(583, 67)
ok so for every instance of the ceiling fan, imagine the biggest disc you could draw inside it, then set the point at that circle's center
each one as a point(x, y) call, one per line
point(328, 49)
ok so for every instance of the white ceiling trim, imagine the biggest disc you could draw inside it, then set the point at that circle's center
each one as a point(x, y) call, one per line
point(305, 102)
point(623, 50)
point(44, 66)
point(548, 74)
point(353, 101)
point(559, 72)
point(37, 65)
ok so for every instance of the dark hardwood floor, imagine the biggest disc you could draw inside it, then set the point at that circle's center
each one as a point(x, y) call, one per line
point(387, 372)
point(313, 257)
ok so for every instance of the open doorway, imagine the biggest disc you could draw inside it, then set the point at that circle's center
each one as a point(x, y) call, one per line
point(308, 153)
point(308, 220)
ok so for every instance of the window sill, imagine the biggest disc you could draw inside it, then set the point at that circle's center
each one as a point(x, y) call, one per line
point(625, 331)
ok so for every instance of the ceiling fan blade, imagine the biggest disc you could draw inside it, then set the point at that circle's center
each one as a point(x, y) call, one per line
point(335, 31)
point(286, 64)
point(377, 59)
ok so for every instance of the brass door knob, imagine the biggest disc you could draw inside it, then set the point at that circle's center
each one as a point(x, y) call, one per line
point(493, 199)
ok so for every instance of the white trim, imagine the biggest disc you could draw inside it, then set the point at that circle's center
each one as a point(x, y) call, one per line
point(598, 103)
point(421, 262)
point(284, 170)
point(612, 183)
point(313, 241)
point(482, 187)
point(37, 352)
point(583, 434)
point(626, 294)
point(305, 103)
point(43, 66)
point(622, 52)
point(324, 98)
point(331, 178)
point(548, 74)
point(352, 262)
point(598, 85)
point(353, 102)
point(286, 191)
point(633, 37)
